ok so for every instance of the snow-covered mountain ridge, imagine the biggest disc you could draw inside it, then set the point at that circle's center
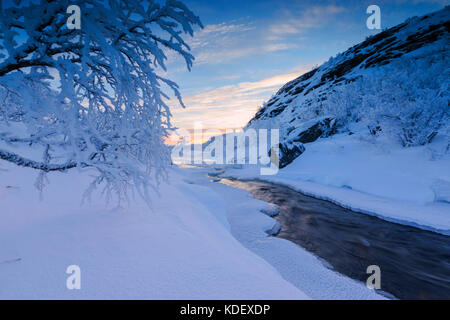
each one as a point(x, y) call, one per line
point(395, 84)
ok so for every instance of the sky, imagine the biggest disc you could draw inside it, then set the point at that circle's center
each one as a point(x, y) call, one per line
point(248, 49)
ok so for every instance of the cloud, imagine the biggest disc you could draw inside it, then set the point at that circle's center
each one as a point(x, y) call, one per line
point(213, 34)
point(298, 21)
point(230, 106)
point(217, 43)
point(284, 28)
point(227, 41)
point(224, 42)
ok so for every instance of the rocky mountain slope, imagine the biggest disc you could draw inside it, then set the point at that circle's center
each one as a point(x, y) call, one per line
point(394, 85)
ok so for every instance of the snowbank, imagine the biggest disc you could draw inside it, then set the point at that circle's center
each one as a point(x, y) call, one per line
point(181, 249)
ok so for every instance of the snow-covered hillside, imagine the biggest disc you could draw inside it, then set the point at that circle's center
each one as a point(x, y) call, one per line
point(393, 85)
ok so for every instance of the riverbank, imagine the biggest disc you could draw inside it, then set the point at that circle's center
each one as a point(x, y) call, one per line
point(411, 260)
point(295, 264)
point(403, 185)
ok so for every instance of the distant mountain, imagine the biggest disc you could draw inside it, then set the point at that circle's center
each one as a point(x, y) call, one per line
point(395, 84)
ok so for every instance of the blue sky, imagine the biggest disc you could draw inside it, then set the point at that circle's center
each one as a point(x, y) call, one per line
point(250, 48)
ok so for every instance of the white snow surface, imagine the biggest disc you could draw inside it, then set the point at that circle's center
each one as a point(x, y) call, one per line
point(200, 240)
point(180, 249)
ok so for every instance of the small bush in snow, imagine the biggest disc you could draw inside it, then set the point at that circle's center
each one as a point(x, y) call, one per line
point(407, 100)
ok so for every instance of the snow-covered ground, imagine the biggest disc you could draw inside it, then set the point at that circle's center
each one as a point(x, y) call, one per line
point(200, 240)
point(374, 176)
point(181, 249)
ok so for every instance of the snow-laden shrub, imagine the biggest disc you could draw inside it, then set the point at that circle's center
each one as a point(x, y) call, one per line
point(407, 99)
point(90, 97)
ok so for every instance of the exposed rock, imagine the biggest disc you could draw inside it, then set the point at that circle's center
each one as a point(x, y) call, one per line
point(323, 128)
point(288, 152)
point(291, 149)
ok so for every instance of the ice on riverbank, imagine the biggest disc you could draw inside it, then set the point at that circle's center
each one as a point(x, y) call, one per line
point(272, 210)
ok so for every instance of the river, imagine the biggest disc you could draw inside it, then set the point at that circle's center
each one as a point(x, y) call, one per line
point(414, 263)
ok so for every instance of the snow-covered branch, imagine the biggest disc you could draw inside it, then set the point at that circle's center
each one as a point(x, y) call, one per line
point(24, 162)
point(94, 94)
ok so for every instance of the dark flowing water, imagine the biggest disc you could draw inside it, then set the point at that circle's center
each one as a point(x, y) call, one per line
point(414, 263)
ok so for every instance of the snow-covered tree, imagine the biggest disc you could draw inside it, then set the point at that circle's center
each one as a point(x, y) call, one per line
point(91, 97)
